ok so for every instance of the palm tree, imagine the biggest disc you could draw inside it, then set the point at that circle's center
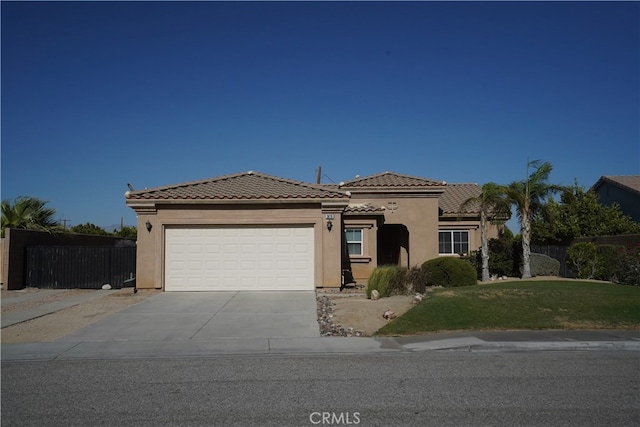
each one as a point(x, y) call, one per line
point(29, 213)
point(529, 197)
point(493, 205)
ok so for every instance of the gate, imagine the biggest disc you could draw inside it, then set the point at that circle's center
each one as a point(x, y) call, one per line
point(79, 267)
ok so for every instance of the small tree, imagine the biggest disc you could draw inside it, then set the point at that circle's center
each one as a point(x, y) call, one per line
point(89, 228)
point(29, 213)
point(127, 232)
point(583, 260)
point(492, 204)
point(580, 214)
point(529, 196)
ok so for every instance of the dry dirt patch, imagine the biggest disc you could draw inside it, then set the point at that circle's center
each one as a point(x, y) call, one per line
point(56, 325)
point(362, 314)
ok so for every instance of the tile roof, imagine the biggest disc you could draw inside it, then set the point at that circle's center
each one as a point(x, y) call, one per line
point(241, 186)
point(629, 182)
point(456, 194)
point(391, 180)
point(364, 208)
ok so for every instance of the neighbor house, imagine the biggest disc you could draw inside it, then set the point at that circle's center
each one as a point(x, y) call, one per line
point(621, 189)
point(251, 231)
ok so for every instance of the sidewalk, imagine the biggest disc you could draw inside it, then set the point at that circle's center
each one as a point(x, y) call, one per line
point(195, 348)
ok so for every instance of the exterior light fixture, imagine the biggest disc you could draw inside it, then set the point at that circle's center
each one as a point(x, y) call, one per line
point(149, 226)
point(329, 218)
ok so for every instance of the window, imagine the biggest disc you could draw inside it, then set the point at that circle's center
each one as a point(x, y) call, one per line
point(453, 242)
point(354, 241)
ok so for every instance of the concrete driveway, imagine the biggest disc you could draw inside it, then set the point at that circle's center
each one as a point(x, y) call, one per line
point(174, 316)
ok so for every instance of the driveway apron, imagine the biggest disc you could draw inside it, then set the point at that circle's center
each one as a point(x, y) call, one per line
point(209, 315)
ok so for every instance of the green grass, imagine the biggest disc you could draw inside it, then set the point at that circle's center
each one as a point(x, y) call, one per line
point(522, 305)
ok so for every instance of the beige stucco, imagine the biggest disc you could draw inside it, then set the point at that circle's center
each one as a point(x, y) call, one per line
point(417, 211)
point(151, 244)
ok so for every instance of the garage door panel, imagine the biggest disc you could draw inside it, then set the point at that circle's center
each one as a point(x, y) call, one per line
point(241, 258)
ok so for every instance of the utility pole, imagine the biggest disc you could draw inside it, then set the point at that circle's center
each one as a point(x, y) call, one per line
point(319, 174)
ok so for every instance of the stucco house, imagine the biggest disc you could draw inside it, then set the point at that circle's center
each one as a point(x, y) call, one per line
point(252, 231)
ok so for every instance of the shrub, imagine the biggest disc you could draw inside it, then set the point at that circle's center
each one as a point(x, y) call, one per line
point(582, 259)
point(501, 257)
point(543, 265)
point(380, 280)
point(609, 257)
point(475, 259)
point(449, 272)
point(416, 280)
point(393, 280)
point(629, 267)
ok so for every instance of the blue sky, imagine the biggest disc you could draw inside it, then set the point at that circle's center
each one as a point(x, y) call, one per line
point(96, 95)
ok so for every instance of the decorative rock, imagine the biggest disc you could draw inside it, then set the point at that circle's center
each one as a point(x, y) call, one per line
point(326, 321)
point(106, 287)
point(389, 315)
point(375, 295)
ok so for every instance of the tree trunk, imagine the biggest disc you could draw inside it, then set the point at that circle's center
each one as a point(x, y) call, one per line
point(484, 250)
point(526, 245)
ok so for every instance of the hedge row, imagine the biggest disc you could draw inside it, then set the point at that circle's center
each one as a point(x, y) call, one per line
point(619, 264)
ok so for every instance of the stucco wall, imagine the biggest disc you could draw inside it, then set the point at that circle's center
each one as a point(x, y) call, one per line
point(327, 245)
point(362, 265)
point(419, 213)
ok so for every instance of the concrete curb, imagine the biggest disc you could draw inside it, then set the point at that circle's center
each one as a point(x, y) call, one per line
point(194, 348)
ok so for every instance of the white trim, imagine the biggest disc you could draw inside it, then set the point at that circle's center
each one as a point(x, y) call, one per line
point(361, 241)
point(451, 231)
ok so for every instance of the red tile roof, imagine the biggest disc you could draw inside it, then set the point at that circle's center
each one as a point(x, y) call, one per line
point(391, 180)
point(364, 208)
point(456, 194)
point(241, 186)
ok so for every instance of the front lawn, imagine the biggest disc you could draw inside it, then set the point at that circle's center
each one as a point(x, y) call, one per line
point(522, 305)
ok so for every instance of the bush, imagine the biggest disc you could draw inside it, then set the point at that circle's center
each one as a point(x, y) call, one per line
point(501, 257)
point(582, 259)
point(543, 265)
point(416, 280)
point(629, 267)
point(449, 272)
point(393, 280)
point(380, 280)
point(608, 259)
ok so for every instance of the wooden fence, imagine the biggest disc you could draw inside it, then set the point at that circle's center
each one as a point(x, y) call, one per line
point(81, 267)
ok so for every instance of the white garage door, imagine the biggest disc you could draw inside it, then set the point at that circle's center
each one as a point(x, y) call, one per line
point(242, 258)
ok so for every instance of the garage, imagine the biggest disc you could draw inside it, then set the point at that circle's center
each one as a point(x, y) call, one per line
point(239, 258)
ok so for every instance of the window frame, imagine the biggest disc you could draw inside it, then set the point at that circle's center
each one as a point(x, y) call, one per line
point(360, 242)
point(452, 242)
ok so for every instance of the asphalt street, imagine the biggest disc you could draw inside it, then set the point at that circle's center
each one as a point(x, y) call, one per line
point(437, 388)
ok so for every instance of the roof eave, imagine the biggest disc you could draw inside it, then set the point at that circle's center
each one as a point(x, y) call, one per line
point(395, 190)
